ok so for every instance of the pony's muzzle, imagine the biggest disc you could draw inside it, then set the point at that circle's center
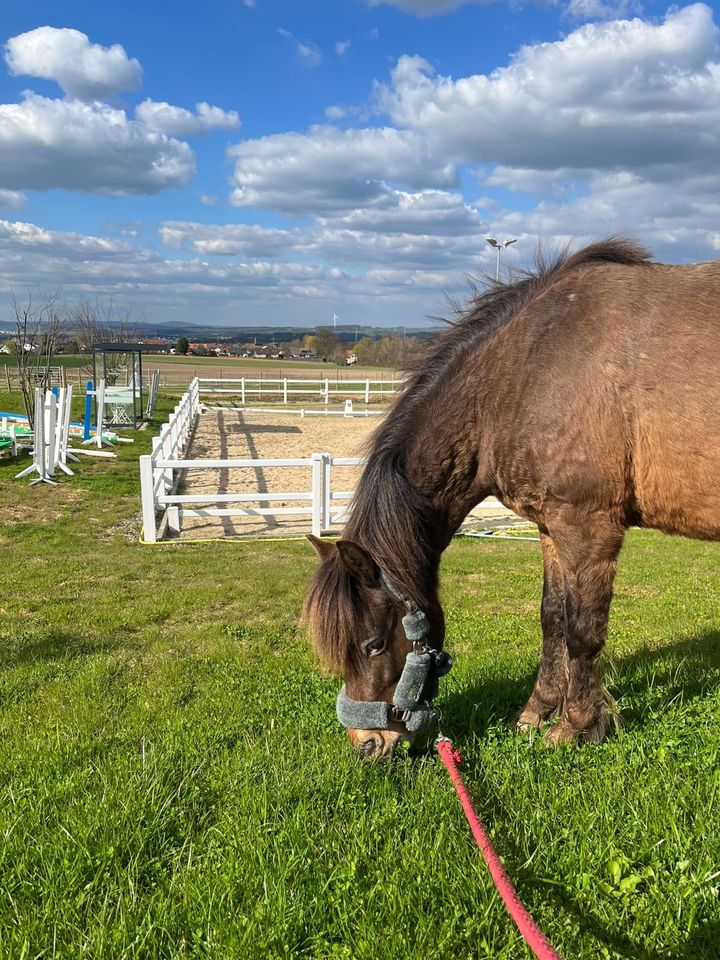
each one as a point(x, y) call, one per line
point(377, 744)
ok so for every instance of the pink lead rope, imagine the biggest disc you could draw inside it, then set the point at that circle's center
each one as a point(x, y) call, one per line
point(530, 931)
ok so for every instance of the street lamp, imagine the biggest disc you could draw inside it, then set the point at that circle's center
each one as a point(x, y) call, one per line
point(498, 246)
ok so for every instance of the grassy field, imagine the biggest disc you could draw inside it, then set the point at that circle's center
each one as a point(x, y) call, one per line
point(173, 782)
point(181, 370)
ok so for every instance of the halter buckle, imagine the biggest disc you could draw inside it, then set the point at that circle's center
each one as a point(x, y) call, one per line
point(399, 715)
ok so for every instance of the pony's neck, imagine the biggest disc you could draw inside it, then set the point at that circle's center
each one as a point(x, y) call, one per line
point(421, 480)
point(448, 454)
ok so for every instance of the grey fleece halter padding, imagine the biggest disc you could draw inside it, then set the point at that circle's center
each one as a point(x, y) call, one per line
point(377, 715)
point(412, 680)
point(406, 705)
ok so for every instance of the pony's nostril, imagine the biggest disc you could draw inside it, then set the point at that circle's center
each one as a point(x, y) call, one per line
point(367, 747)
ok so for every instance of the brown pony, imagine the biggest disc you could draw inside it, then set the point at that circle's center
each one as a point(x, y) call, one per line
point(585, 397)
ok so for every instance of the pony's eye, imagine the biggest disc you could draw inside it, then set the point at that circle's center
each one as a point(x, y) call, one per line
point(374, 646)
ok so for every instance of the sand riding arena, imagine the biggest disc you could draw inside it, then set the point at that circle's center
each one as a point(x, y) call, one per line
point(260, 472)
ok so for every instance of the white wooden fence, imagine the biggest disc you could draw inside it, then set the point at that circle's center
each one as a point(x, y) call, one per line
point(321, 505)
point(287, 388)
point(156, 477)
point(163, 508)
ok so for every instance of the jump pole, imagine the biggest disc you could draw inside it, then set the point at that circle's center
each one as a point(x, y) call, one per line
point(99, 395)
point(62, 454)
point(44, 440)
point(88, 411)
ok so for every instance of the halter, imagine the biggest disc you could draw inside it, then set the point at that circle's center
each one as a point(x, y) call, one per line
point(406, 707)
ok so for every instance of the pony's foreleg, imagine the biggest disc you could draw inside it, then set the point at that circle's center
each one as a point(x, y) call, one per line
point(588, 557)
point(549, 691)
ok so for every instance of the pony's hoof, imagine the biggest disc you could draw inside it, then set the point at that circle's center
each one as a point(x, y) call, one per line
point(528, 720)
point(534, 714)
point(561, 732)
point(564, 732)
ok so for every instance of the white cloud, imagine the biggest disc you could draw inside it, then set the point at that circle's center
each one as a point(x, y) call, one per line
point(226, 239)
point(306, 50)
point(360, 250)
point(309, 53)
point(84, 70)
point(342, 47)
point(417, 231)
point(12, 199)
point(74, 246)
point(430, 212)
point(611, 96)
point(601, 10)
point(47, 144)
point(82, 143)
point(164, 118)
point(102, 261)
point(329, 169)
point(608, 95)
point(674, 219)
point(216, 117)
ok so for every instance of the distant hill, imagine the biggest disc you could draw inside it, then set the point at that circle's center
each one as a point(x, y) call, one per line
point(347, 333)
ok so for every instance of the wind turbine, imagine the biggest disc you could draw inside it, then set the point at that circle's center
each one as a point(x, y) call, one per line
point(335, 319)
point(498, 246)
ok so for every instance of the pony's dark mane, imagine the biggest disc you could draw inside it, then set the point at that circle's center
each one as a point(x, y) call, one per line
point(390, 517)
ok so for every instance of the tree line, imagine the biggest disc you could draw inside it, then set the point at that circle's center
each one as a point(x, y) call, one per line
point(388, 351)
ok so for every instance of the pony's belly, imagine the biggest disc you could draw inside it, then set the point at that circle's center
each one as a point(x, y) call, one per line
point(677, 481)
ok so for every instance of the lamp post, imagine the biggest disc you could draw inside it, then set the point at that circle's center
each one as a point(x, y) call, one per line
point(498, 247)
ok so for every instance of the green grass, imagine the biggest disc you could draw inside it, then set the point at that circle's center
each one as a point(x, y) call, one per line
point(173, 782)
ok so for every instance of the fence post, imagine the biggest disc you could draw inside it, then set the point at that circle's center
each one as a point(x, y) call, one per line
point(242, 391)
point(318, 493)
point(165, 445)
point(147, 495)
point(327, 485)
point(327, 391)
point(285, 390)
point(367, 391)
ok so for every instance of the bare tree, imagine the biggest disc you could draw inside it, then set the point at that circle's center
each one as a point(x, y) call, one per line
point(37, 333)
point(101, 322)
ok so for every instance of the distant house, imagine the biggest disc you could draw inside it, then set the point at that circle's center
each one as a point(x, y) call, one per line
point(158, 344)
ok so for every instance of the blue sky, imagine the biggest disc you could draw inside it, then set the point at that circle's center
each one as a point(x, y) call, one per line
point(274, 162)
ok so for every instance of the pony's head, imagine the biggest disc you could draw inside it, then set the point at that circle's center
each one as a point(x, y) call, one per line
point(385, 645)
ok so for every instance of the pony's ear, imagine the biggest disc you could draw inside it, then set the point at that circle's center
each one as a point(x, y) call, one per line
point(359, 563)
point(322, 547)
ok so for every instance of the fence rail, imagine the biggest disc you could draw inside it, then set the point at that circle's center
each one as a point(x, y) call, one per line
point(287, 387)
point(181, 377)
